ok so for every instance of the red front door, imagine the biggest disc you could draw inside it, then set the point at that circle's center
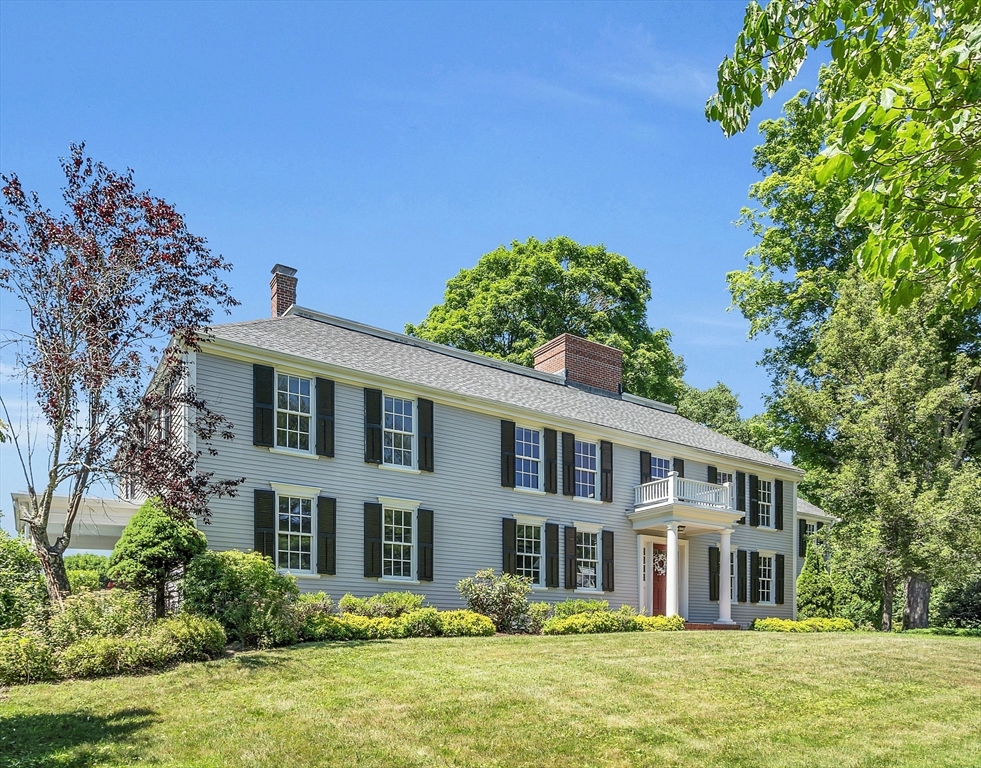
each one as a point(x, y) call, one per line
point(659, 580)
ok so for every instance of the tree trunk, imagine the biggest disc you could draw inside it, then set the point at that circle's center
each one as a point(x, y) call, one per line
point(888, 594)
point(916, 612)
point(52, 565)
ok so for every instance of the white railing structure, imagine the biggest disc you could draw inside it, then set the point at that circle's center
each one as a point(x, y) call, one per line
point(673, 489)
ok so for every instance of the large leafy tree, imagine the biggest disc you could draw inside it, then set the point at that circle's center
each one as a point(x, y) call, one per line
point(515, 299)
point(903, 94)
point(111, 283)
point(891, 404)
point(718, 408)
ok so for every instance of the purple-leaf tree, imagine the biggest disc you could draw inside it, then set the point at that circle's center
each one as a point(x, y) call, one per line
point(112, 284)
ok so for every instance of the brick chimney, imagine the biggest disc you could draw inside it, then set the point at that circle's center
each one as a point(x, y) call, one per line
point(283, 285)
point(582, 361)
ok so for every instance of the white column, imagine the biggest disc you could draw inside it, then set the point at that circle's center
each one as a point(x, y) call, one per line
point(672, 586)
point(725, 592)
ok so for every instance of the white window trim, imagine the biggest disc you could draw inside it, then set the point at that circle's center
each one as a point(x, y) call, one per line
point(541, 459)
point(660, 458)
point(521, 519)
point(312, 436)
point(587, 527)
point(524, 519)
point(298, 492)
point(415, 432)
point(597, 529)
point(771, 526)
point(401, 505)
point(293, 452)
point(773, 575)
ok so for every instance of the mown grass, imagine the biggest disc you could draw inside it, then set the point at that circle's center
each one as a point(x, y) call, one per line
point(644, 699)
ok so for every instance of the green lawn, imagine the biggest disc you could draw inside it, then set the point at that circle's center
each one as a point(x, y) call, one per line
point(646, 699)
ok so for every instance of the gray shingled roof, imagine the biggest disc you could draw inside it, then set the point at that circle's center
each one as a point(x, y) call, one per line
point(309, 335)
point(804, 507)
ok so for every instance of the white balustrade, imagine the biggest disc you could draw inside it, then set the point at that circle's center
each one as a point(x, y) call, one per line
point(681, 490)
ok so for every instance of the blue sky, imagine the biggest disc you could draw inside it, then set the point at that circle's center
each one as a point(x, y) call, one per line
point(380, 148)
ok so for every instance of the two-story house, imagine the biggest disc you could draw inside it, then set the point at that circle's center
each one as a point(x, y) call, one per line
point(377, 461)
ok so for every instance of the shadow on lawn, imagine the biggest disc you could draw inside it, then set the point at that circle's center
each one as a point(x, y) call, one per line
point(69, 739)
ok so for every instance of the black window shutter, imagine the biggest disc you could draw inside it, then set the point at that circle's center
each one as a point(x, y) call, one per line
point(426, 459)
point(801, 538)
point(679, 467)
point(263, 404)
point(551, 554)
point(778, 564)
point(424, 563)
point(754, 500)
point(778, 504)
point(645, 467)
point(607, 555)
point(741, 496)
point(372, 539)
point(507, 453)
point(551, 464)
point(373, 426)
point(509, 545)
point(570, 557)
point(568, 465)
point(325, 417)
point(714, 573)
point(713, 475)
point(741, 575)
point(264, 508)
point(606, 470)
point(326, 535)
point(754, 571)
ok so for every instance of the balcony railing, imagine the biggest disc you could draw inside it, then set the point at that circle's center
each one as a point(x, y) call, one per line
point(680, 490)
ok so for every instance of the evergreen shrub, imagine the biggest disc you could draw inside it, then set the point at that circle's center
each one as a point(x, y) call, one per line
point(815, 593)
point(465, 624)
point(502, 598)
point(387, 604)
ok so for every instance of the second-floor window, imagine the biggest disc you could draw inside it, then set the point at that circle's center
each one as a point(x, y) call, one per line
point(527, 458)
point(766, 503)
point(659, 467)
point(398, 432)
point(293, 412)
point(585, 470)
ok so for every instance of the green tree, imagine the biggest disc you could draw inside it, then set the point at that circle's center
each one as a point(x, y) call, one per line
point(718, 408)
point(516, 299)
point(889, 401)
point(903, 94)
point(815, 595)
point(154, 543)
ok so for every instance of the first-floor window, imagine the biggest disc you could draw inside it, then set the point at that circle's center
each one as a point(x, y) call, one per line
point(295, 533)
point(530, 552)
point(810, 528)
point(585, 470)
point(659, 467)
point(766, 503)
point(766, 579)
point(587, 559)
point(397, 543)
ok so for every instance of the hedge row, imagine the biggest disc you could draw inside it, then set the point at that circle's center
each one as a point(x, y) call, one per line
point(600, 621)
point(424, 622)
point(805, 625)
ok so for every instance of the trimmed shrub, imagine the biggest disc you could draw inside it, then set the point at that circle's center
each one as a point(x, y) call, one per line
point(188, 638)
point(85, 581)
point(106, 613)
point(243, 591)
point(309, 608)
point(805, 625)
point(502, 598)
point(22, 590)
point(815, 594)
point(661, 623)
point(466, 624)
point(592, 623)
point(323, 626)
point(98, 657)
point(422, 623)
point(25, 657)
point(538, 614)
point(87, 562)
point(573, 607)
point(371, 628)
point(387, 604)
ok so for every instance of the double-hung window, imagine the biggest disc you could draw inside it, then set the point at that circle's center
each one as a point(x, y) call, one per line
point(397, 544)
point(810, 528)
point(721, 478)
point(294, 533)
point(292, 412)
point(766, 503)
point(766, 579)
point(659, 467)
point(397, 445)
point(585, 470)
point(529, 552)
point(587, 560)
point(527, 458)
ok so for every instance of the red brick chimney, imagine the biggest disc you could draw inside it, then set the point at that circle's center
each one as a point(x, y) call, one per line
point(283, 285)
point(582, 361)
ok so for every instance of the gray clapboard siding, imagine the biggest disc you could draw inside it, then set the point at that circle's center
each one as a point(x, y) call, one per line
point(464, 491)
